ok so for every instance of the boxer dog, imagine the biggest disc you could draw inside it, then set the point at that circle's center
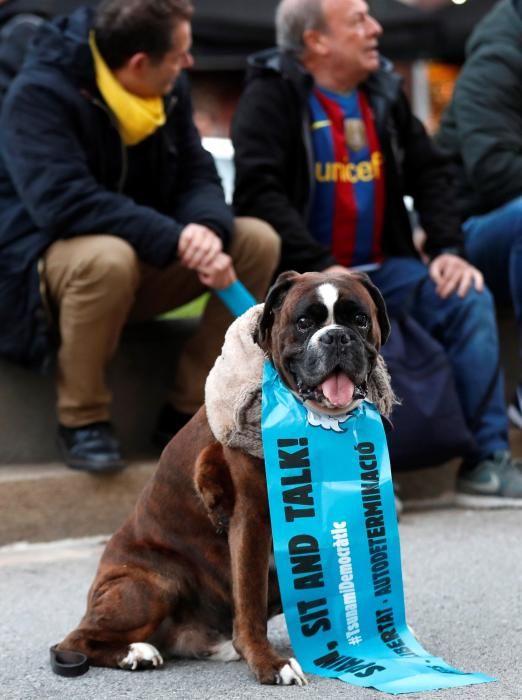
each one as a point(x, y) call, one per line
point(188, 573)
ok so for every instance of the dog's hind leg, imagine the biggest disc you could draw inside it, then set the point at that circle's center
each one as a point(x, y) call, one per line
point(123, 612)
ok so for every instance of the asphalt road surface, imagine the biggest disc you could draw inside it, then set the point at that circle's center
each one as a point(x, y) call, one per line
point(463, 587)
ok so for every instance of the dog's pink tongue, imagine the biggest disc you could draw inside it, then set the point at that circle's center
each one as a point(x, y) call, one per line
point(338, 389)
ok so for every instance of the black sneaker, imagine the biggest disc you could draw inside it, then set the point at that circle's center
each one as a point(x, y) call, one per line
point(170, 421)
point(91, 448)
point(514, 410)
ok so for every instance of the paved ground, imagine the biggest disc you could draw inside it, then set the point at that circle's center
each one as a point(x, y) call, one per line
point(462, 571)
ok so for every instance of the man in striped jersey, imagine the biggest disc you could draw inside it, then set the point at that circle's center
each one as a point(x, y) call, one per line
point(326, 149)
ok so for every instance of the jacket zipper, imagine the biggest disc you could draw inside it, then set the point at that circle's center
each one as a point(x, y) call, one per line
point(307, 142)
point(123, 147)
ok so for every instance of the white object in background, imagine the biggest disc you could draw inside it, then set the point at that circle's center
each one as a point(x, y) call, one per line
point(420, 92)
point(222, 151)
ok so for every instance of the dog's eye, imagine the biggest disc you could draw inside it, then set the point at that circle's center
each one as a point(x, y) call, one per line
point(304, 323)
point(361, 320)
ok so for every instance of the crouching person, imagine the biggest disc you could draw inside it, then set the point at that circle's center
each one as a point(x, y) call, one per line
point(111, 211)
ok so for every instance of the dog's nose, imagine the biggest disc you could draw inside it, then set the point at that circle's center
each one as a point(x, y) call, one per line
point(335, 335)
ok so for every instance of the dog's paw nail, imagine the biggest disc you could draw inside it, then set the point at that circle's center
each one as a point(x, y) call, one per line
point(291, 674)
point(141, 654)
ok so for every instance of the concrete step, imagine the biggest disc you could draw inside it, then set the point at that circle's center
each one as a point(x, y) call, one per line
point(44, 502)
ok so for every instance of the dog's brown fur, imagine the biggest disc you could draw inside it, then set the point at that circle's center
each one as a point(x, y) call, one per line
point(184, 566)
point(190, 566)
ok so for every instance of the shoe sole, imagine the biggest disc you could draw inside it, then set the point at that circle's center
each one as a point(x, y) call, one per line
point(108, 468)
point(84, 465)
point(468, 500)
point(514, 416)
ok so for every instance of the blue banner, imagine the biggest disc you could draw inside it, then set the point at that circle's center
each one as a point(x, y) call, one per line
point(337, 552)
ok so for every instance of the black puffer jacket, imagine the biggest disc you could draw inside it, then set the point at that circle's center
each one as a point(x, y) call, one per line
point(64, 171)
point(482, 128)
point(273, 158)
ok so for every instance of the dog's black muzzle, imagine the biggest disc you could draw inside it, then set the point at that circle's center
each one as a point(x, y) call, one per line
point(338, 339)
point(337, 349)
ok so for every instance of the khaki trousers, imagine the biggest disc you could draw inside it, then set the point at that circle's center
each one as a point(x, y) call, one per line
point(97, 283)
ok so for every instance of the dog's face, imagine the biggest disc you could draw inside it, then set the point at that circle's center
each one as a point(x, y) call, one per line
point(323, 333)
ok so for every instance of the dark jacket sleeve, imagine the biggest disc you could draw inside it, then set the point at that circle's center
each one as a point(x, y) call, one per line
point(50, 171)
point(428, 177)
point(269, 156)
point(199, 197)
point(487, 108)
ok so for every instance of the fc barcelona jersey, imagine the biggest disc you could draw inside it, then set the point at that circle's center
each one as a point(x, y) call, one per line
point(347, 208)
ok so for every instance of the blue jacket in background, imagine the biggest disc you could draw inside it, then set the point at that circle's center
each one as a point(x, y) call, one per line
point(64, 171)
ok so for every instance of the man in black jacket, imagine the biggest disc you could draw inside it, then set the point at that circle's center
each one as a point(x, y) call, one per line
point(326, 149)
point(482, 129)
point(111, 210)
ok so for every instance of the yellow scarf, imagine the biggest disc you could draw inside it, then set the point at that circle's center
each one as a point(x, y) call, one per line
point(138, 117)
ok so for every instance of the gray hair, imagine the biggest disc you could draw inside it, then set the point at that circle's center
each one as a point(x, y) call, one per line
point(293, 18)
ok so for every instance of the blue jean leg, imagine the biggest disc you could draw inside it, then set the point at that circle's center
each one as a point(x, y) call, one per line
point(466, 328)
point(493, 243)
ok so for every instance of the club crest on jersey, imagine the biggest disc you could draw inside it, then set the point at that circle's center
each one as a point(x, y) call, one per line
point(355, 134)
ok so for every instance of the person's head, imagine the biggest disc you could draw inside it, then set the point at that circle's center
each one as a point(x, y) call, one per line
point(145, 43)
point(336, 40)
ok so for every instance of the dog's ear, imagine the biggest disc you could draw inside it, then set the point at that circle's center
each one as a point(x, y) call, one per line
point(382, 314)
point(274, 300)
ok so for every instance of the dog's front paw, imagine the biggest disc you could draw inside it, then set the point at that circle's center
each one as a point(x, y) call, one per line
point(287, 672)
point(291, 674)
point(141, 655)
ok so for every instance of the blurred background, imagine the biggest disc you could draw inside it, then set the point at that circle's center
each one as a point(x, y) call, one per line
point(424, 38)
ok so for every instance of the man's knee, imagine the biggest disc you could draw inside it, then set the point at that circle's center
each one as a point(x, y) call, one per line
point(256, 240)
point(111, 261)
point(103, 263)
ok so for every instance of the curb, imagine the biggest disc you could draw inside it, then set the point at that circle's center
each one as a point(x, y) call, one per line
point(50, 502)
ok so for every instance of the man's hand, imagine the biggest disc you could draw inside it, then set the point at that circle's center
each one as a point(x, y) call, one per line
point(200, 249)
point(198, 246)
point(451, 273)
point(219, 273)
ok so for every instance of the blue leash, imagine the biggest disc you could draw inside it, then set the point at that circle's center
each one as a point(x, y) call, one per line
point(236, 297)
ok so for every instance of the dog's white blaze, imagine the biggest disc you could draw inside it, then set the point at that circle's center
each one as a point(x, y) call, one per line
point(224, 651)
point(140, 651)
point(328, 294)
